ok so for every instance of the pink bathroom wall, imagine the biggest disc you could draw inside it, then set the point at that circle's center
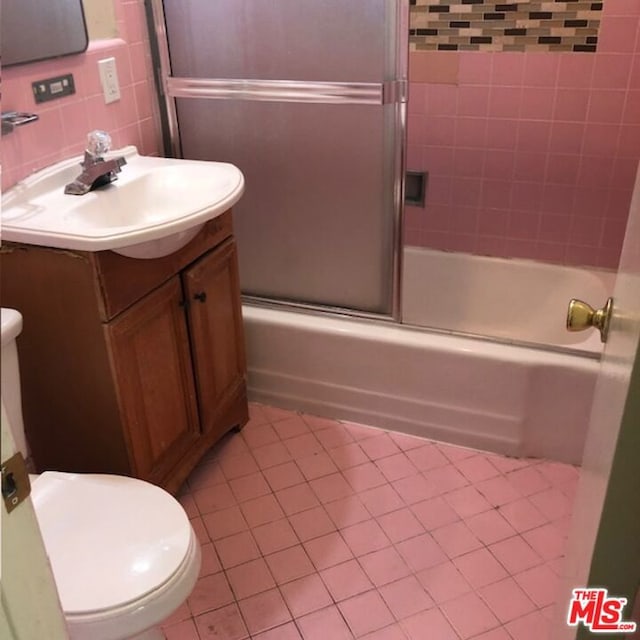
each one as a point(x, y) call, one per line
point(531, 154)
point(63, 125)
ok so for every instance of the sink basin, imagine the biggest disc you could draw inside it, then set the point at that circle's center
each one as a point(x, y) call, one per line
point(156, 206)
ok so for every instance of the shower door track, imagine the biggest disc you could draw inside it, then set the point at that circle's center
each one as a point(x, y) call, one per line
point(371, 93)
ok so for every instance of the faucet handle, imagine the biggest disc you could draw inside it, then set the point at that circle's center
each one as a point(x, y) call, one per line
point(98, 142)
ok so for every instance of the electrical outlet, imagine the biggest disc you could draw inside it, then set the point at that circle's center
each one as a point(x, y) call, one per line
point(109, 79)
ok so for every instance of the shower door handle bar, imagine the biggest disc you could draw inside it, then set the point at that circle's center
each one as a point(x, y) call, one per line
point(372, 93)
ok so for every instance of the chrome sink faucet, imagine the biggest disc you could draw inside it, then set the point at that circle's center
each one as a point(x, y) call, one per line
point(96, 171)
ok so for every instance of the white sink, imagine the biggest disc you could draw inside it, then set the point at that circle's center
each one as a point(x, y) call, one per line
point(155, 207)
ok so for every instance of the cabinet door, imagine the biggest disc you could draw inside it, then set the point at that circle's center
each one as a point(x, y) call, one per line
point(217, 339)
point(149, 349)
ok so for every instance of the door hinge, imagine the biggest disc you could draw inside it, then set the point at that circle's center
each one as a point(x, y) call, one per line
point(15, 481)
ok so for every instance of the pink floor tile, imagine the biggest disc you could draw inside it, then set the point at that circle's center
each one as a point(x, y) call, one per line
point(364, 476)
point(384, 566)
point(328, 550)
point(250, 578)
point(446, 478)
point(330, 488)
point(237, 549)
point(405, 597)
point(210, 561)
point(434, 513)
point(533, 626)
point(421, 552)
point(380, 446)
point(427, 457)
point(515, 554)
point(287, 631)
point(506, 599)
point(214, 498)
point(522, 515)
point(476, 468)
point(433, 620)
point(365, 537)
point(275, 536)
point(307, 512)
point(305, 595)
point(334, 436)
point(271, 455)
point(290, 427)
point(381, 500)
point(225, 522)
point(443, 582)
point(528, 480)
point(552, 503)
point(456, 539)
point(415, 489)
point(498, 491)
point(264, 611)
point(346, 580)
point(540, 584)
point(396, 466)
point(224, 623)
point(210, 592)
point(239, 465)
point(316, 465)
point(348, 455)
point(304, 445)
point(275, 414)
point(206, 475)
point(467, 501)
point(247, 487)
point(283, 476)
point(546, 541)
point(490, 527)
point(480, 568)
point(469, 616)
point(400, 525)
point(365, 613)
point(289, 564)
point(185, 630)
point(324, 624)
point(257, 435)
point(392, 632)
point(261, 510)
point(347, 511)
point(312, 523)
point(297, 498)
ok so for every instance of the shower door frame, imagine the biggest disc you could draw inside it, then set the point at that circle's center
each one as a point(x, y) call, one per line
point(384, 93)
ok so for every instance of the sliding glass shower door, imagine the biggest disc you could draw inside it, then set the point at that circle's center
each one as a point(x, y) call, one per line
point(307, 98)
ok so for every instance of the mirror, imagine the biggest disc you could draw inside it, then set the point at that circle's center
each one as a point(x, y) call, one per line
point(34, 30)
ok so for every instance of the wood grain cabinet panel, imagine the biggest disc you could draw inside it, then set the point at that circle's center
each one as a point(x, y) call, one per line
point(129, 366)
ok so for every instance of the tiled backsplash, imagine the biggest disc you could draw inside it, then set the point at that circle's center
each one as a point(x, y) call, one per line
point(507, 25)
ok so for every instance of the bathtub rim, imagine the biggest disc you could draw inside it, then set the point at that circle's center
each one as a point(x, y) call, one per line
point(339, 313)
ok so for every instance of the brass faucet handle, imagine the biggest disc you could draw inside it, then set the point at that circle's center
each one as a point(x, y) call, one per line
point(581, 316)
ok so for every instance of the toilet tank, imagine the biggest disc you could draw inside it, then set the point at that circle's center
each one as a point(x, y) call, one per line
point(10, 377)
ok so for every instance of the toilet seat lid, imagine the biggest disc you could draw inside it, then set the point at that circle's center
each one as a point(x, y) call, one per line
point(110, 539)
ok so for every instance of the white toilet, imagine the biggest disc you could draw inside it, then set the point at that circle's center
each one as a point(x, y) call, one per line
point(123, 552)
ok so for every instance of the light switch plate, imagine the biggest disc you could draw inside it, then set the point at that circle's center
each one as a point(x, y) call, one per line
point(109, 79)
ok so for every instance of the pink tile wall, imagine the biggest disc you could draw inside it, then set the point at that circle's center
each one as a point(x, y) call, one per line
point(532, 154)
point(64, 123)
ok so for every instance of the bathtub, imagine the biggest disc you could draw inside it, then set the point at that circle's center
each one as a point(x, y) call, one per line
point(497, 396)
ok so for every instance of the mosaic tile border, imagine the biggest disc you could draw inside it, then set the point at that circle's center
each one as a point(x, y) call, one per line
point(525, 25)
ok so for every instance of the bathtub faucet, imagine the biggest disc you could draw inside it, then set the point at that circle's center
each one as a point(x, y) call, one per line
point(96, 171)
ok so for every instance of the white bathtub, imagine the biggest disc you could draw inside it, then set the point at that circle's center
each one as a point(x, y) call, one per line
point(506, 398)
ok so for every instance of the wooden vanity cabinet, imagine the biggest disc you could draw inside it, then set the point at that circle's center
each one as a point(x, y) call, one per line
point(129, 366)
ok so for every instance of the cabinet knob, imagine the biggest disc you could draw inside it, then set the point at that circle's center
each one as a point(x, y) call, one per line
point(201, 295)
